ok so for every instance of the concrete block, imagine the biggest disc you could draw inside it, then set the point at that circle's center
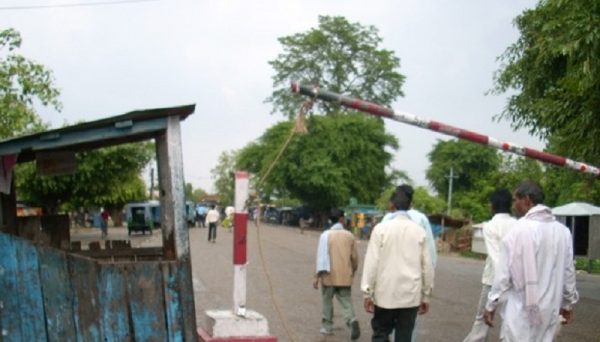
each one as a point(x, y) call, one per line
point(223, 323)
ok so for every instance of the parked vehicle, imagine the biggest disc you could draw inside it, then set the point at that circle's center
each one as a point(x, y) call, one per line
point(142, 216)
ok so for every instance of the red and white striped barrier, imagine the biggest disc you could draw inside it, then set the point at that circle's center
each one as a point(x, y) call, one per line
point(378, 110)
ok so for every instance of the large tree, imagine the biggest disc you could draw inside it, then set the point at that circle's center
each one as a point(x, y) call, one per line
point(21, 83)
point(339, 56)
point(343, 156)
point(553, 72)
point(475, 169)
point(223, 175)
point(108, 177)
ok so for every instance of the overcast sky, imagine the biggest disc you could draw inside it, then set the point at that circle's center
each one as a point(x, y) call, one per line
point(111, 59)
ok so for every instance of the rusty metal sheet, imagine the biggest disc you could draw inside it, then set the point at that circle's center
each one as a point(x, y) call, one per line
point(146, 301)
point(58, 296)
point(31, 300)
point(84, 279)
point(115, 317)
point(10, 320)
point(173, 310)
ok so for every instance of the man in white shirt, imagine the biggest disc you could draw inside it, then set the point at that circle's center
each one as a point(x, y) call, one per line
point(493, 233)
point(535, 275)
point(212, 217)
point(397, 277)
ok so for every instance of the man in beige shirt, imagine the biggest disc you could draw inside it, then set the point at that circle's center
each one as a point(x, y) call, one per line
point(337, 261)
point(397, 278)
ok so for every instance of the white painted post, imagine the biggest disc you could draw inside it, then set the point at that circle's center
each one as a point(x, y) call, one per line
point(240, 224)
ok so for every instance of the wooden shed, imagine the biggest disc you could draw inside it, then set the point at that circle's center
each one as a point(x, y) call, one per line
point(49, 292)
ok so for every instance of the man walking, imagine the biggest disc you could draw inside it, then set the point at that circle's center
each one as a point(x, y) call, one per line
point(337, 261)
point(493, 232)
point(397, 277)
point(535, 275)
point(212, 217)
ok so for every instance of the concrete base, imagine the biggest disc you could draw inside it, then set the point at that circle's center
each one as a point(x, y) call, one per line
point(225, 326)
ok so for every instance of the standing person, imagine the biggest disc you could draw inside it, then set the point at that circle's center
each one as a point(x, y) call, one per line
point(201, 215)
point(419, 218)
point(212, 218)
point(104, 216)
point(397, 278)
point(535, 276)
point(493, 233)
point(337, 261)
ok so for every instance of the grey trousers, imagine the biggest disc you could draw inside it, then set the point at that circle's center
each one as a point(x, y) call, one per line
point(343, 295)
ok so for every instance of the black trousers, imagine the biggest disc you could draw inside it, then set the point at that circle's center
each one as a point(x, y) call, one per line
point(401, 321)
point(212, 231)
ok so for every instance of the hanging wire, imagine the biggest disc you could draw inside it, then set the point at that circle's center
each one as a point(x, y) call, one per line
point(298, 128)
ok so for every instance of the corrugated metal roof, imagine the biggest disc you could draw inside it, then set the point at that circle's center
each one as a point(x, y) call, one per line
point(130, 127)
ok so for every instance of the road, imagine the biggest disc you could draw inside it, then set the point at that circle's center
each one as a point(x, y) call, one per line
point(287, 266)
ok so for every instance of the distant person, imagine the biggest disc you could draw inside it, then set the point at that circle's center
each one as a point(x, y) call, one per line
point(104, 216)
point(201, 211)
point(212, 218)
point(535, 275)
point(397, 278)
point(337, 261)
point(493, 233)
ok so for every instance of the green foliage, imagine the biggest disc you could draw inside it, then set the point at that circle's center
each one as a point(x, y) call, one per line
point(554, 67)
point(427, 203)
point(108, 177)
point(21, 82)
point(223, 174)
point(340, 56)
point(343, 156)
point(472, 163)
point(515, 169)
point(197, 194)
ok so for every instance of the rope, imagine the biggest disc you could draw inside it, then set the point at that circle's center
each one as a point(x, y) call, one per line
point(295, 129)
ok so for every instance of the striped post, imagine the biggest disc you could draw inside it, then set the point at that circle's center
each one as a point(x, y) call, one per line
point(240, 224)
point(375, 109)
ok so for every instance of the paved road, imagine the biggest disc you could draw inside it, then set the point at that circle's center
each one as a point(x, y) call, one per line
point(289, 260)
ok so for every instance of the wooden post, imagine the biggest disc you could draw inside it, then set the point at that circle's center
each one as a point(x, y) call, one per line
point(172, 198)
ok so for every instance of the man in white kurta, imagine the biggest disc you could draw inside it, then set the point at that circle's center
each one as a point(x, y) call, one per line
point(493, 232)
point(535, 275)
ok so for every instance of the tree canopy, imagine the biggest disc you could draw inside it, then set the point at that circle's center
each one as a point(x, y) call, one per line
point(21, 83)
point(223, 175)
point(107, 177)
point(340, 56)
point(343, 156)
point(554, 72)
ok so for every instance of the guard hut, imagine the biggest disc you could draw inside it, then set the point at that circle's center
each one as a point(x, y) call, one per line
point(49, 292)
point(583, 219)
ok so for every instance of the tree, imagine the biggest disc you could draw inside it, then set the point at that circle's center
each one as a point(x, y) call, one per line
point(339, 56)
point(108, 177)
point(223, 175)
point(475, 167)
point(343, 156)
point(554, 71)
point(21, 83)
point(470, 162)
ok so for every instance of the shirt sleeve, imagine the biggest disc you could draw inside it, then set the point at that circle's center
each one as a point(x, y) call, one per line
point(369, 275)
point(501, 279)
point(427, 276)
point(430, 240)
point(570, 295)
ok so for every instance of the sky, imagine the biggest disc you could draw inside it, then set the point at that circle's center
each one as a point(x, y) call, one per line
point(113, 58)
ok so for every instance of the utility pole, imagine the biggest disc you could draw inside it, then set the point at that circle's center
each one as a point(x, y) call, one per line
point(151, 183)
point(450, 177)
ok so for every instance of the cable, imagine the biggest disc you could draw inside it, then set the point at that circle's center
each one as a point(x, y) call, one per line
point(297, 128)
point(97, 3)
